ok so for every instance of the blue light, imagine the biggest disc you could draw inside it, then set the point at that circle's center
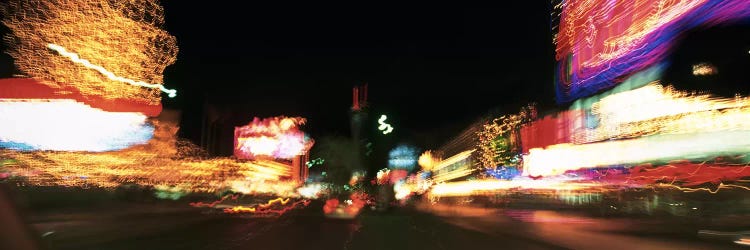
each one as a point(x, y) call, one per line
point(403, 157)
point(503, 172)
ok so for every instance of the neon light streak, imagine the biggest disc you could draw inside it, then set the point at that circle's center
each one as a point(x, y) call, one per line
point(240, 209)
point(452, 172)
point(453, 159)
point(600, 41)
point(718, 188)
point(76, 59)
point(464, 188)
point(276, 212)
point(279, 200)
point(214, 203)
point(557, 159)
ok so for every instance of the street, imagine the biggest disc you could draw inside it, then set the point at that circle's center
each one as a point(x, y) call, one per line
point(159, 226)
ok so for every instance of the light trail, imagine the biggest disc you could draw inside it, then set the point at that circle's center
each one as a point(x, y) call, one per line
point(280, 200)
point(76, 59)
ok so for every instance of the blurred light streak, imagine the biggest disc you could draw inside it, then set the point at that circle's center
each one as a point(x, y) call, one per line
point(67, 125)
point(279, 200)
point(476, 187)
point(268, 186)
point(453, 167)
point(214, 203)
point(239, 209)
point(453, 174)
point(648, 110)
point(684, 173)
point(272, 212)
point(452, 160)
point(634, 81)
point(655, 101)
point(600, 41)
point(76, 59)
point(743, 241)
point(714, 191)
point(147, 168)
point(557, 159)
point(255, 209)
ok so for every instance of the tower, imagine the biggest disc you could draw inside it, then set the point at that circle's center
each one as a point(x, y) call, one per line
point(358, 112)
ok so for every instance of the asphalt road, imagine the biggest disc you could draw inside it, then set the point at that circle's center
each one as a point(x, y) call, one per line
point(421, 227)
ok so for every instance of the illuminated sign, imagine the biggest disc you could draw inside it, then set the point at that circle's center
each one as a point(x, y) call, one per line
point(277, 137)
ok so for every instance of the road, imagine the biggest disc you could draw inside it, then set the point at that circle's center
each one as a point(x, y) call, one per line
point(425, 226)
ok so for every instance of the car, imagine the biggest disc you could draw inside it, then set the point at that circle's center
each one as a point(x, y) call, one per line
point(349, 208)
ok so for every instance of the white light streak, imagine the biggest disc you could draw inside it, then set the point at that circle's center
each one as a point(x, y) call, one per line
point(76, 59)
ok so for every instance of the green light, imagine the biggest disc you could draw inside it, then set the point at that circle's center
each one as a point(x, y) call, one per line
point(318, 161)
point(385, 127)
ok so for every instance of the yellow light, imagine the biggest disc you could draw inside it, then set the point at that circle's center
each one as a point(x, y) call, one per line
point(475, 187)
point(152, 165)
point(654, 109)
point(426, 161)
point(259, 145)
point(279, 200)
point(240, 209)
point(454, 174)
point(558, 159)
point(692, 190)
point(653, 123)
point(441, 174)
point(506, 125)
point(402, 191)
point(703, 69)
point(125, 37)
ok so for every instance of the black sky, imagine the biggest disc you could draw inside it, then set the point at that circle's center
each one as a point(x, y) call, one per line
point(428, 67)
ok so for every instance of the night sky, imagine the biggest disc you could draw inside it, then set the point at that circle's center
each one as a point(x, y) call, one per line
point(432, 69)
